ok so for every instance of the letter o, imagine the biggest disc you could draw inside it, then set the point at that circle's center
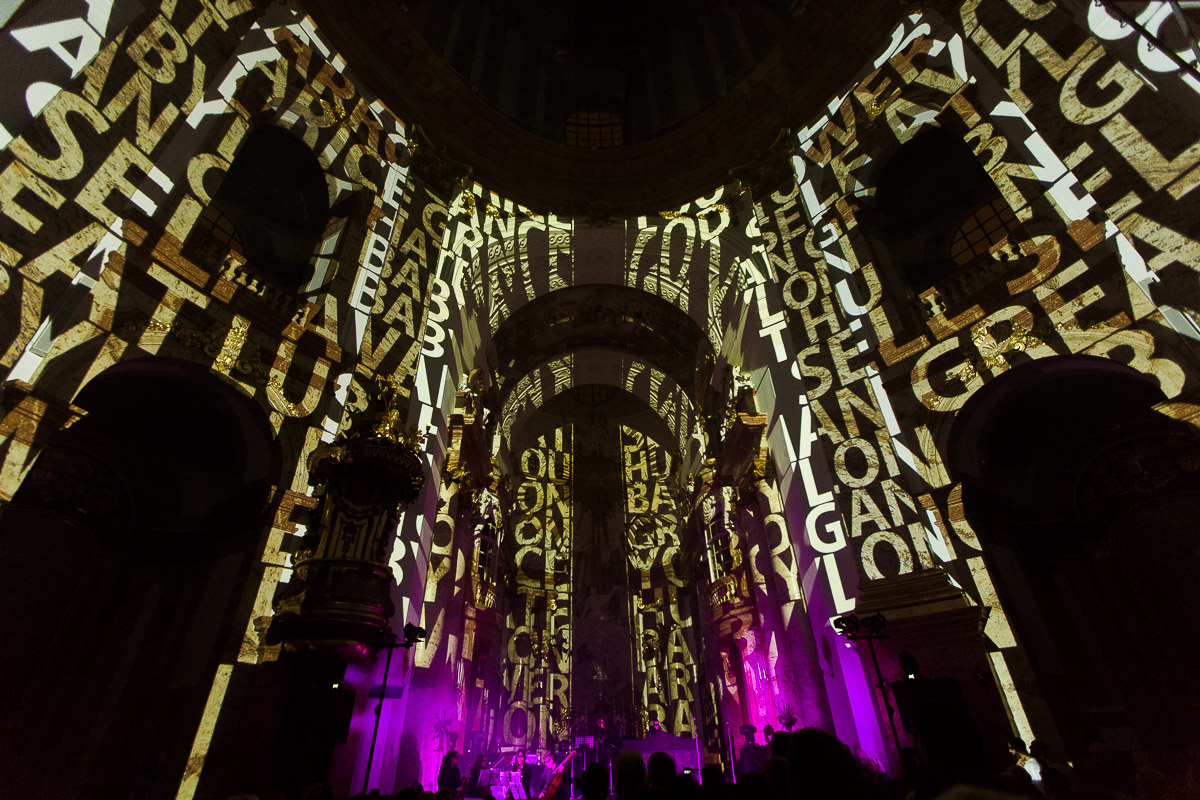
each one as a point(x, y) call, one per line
point(843, 471)
point(898, 544)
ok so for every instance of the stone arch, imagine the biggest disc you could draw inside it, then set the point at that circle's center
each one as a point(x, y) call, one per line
point(593, 315)
point(129, 573)
point(1082, 494)
point(655, 388)
point(672, 259)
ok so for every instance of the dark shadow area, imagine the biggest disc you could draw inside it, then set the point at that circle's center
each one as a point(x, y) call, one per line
point(127, 571)
point(1085, 498)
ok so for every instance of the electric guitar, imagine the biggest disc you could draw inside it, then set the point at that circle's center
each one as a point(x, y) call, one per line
point(555, 781)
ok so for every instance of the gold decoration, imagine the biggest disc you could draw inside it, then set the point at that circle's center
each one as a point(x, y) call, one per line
point(226, 358)
point(337, 110)
point(468, 200)
point(443, 174)
point(458, 473)
point(230, 350)
point(562, 724)
point(773, 170)
point(724, 591)
point(992, 353)
point(875, 109)
point(701, 212)
point(496, 213)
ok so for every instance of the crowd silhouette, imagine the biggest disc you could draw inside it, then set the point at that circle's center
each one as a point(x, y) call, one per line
point(811, 764)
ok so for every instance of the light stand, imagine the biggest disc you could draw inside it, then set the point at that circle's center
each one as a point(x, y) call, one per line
point(412, 635)
point(732, 760)
point(871, 628)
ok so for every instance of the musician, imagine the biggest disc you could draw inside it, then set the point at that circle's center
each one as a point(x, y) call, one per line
point(526, 769)
point(473, 788)
point(449, 776)
point(541, 775)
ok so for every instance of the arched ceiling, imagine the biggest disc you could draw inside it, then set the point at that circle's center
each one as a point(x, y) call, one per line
point(705, 89)
point(595, 316)
point(647, 63)
point(593, 404)
point(629, 374)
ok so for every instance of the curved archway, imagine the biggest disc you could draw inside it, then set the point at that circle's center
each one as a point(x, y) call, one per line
point(649, 384)
point(1083, 495)
point(128, 575)
point(591, 315)
point(673, 264)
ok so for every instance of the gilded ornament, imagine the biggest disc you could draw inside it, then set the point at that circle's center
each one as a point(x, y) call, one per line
point(496, 213)
point(562, 724)
point(336, 111)
point(226, 358)
point(992, 354)
point(875, 108)
point(458, 473)
point(229, 348)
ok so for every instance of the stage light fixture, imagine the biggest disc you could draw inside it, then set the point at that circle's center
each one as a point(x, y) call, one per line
point(413, 634)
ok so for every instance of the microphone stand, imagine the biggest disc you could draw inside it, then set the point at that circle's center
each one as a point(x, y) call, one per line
point(412, 635)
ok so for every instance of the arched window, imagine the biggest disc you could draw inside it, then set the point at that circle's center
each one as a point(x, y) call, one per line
point(941, 216)
point(212, 240)
point(988, 227)
point(595, 128)
point(270, 210)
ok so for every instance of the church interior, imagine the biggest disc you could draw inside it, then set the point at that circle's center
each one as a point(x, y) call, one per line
point(568, 378)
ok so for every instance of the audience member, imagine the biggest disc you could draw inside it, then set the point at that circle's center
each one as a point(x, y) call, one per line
point(779, 743)
point(750, 786)
point(593, 784)
point(449, 777)
point(660, 770)
point(775, 772)
point(950, 750)
point(1031, 765)
point(712, 779)
point(629, 774)
point(317, 791)
point(823, 768)
point(685, 787)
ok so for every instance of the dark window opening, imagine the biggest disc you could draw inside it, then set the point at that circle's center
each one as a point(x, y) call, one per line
point(983, 230)
point(595, 128)
point(940, 216)
point(275, 198)
point(212, 240)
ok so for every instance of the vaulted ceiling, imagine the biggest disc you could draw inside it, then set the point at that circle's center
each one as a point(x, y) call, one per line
point(698, 88)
